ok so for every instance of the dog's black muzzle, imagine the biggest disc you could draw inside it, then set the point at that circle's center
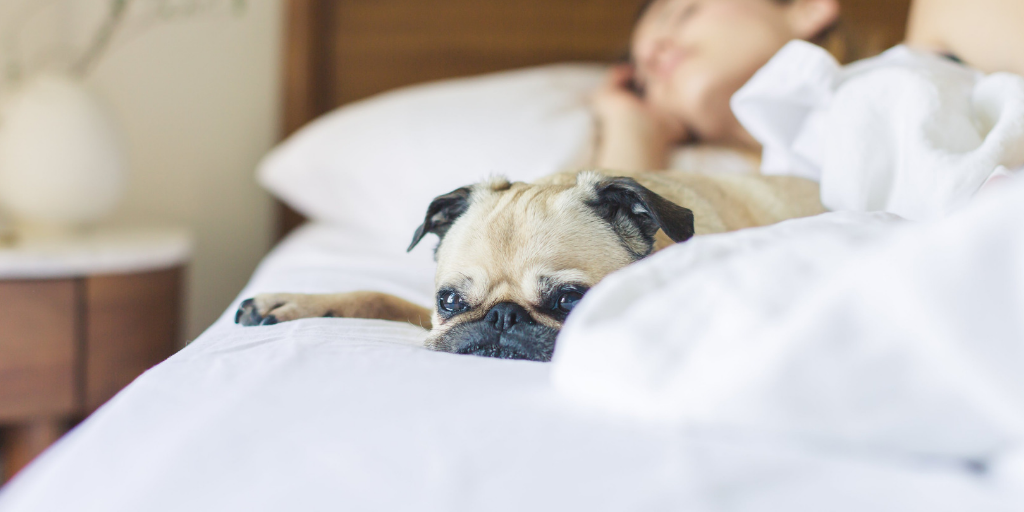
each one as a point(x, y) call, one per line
point(507, 331)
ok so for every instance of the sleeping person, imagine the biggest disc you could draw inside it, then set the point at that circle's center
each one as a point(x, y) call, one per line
point(690, 57)
point(914, 131)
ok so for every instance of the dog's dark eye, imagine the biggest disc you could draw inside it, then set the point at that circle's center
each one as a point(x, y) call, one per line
point(568, 300)
point(451, 302)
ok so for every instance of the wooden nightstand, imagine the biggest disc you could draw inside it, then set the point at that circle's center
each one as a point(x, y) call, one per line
point(80, 317)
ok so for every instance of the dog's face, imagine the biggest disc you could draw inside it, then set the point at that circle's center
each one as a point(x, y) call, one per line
point(515, 258)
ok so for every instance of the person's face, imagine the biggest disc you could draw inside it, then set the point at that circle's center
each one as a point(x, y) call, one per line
point(693, 55)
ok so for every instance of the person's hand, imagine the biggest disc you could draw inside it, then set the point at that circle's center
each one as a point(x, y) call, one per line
point(633, 134)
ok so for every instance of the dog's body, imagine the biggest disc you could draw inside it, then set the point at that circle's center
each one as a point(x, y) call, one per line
point(514, 258)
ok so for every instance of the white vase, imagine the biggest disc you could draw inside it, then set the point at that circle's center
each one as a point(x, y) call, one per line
point(62, 160)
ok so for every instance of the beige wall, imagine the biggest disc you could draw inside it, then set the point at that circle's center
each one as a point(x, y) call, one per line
point(198, 100)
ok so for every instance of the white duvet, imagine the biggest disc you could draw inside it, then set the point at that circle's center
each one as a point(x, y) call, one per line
point(847, 334)
point(907, 132)
point(841, 363)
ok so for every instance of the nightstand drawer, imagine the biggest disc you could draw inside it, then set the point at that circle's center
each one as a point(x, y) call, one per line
point(131, 325)
point(82, 314)
point(37, 348)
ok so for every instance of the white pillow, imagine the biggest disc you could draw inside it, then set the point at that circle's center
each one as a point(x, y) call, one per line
point(378, 163)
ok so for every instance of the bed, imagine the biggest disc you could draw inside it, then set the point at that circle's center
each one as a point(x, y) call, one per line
point(344, 414)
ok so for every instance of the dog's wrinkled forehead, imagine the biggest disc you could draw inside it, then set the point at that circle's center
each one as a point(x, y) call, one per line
point(520, 243)
point(514, 226)
point(585, 222)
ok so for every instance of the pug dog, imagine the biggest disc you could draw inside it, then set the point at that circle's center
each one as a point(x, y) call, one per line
point(514, 259)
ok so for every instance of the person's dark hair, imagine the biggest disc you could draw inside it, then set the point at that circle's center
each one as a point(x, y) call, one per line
point(641, 10)
point(838, 38)
point(647, 4)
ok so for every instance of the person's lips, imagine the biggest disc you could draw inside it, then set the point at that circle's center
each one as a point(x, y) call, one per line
point(665, 64)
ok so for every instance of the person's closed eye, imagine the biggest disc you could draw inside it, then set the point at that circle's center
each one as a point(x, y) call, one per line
point(685, 14)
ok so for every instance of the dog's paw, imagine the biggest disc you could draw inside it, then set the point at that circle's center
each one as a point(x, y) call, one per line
point(248, 314)
point(272, 308)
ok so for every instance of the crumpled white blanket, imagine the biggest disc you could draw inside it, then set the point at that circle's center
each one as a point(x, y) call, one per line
point(906, 132)
point(847, 332)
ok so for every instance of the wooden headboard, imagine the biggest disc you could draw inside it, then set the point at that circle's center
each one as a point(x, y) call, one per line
point(338, 51)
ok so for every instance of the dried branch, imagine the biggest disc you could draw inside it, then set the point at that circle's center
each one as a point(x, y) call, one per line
point(100, 42)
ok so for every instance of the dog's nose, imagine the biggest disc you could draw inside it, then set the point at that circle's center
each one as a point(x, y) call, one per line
point(506, 315)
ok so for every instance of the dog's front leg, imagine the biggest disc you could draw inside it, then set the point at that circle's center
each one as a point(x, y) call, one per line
point(271, 308)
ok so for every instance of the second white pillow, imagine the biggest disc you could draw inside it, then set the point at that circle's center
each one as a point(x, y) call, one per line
point(377, 163)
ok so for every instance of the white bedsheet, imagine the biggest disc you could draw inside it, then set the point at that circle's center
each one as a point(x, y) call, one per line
point(338, 414)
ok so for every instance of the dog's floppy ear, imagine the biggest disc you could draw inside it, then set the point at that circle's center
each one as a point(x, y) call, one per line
point(441, 214)
point(636, 214)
